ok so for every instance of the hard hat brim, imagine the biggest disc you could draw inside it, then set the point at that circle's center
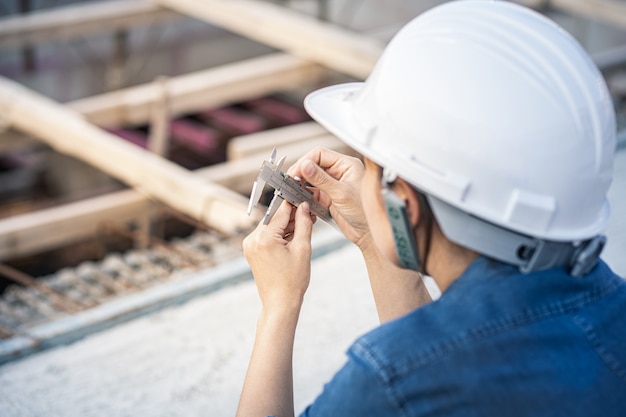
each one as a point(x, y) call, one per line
point(333, 108)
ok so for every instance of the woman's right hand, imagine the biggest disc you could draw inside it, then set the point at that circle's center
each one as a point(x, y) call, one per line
point(337, 180)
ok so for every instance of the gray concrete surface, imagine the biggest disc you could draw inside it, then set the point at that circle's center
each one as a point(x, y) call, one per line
point(190, 360)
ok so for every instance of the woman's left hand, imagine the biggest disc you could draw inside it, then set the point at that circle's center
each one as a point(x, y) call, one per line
point(279, 255)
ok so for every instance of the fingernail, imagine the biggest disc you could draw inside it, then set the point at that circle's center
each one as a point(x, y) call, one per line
point(305, 207)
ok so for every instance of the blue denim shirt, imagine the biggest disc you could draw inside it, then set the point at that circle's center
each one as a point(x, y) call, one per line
point(497, 343)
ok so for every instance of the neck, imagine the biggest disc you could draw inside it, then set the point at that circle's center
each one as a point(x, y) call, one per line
point(447, 261)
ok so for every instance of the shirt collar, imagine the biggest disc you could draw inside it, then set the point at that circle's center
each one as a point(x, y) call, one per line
point(488, 286)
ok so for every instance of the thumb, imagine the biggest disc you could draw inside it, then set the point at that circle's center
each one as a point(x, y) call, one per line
point(318, 177)
point(280, 221)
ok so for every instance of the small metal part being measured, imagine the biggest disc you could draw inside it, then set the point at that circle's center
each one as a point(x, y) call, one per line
point(285, 188)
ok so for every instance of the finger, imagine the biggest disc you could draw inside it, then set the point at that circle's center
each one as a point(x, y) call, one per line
point(320, 196)
point(316, 176)
point(303, 225)
point(294, 170)
point(281, 218)
point(321, 156)
point(290, 227)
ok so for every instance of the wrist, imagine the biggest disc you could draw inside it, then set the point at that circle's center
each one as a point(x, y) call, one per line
point(281, 308)
point(368, 247)
point(364, 241)
point(281, 320)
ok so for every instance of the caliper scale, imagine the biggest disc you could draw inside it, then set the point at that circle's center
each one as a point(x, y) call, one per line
point(285, 188)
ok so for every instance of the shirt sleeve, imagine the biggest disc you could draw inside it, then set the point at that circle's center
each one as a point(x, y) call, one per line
point(354, 391)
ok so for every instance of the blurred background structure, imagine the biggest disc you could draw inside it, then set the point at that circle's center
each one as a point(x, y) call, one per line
point(130, 134)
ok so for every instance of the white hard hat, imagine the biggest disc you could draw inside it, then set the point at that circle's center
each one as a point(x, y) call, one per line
point(492, 109)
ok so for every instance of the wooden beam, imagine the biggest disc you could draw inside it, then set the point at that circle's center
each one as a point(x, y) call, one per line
point(201, 90)
point(340, 49)
point(35, 232)
point(158, 141)
point(68, 133)
point(189, 93)
point(30, 233)
point(71, 21)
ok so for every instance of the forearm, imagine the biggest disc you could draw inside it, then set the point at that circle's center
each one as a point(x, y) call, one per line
point(396, 291)
point(268, 387)
point(279, 255)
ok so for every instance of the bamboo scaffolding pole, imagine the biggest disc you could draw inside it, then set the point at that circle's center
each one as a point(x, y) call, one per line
point(69, 133)
point(187, 93)
point(206, 89)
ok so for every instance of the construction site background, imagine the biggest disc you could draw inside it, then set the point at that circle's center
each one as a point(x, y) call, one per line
point(119, 297)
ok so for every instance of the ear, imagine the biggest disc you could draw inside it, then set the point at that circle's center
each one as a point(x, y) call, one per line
point(406, 192)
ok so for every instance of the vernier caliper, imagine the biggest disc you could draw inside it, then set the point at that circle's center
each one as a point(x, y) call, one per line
point(285, 188)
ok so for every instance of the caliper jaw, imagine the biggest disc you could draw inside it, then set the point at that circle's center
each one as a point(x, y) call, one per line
point(286, 188)
point(259, 186)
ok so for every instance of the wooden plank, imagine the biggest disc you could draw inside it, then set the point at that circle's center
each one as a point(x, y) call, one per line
point(296, 33)
point(201, 90)
point(76, 20)
point(158, 141)
point(69, 133)
point(31, 233)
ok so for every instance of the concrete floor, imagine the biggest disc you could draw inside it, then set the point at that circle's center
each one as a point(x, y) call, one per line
point(190, 360)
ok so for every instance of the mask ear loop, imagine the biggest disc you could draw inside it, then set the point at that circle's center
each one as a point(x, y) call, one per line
point(404, 239)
